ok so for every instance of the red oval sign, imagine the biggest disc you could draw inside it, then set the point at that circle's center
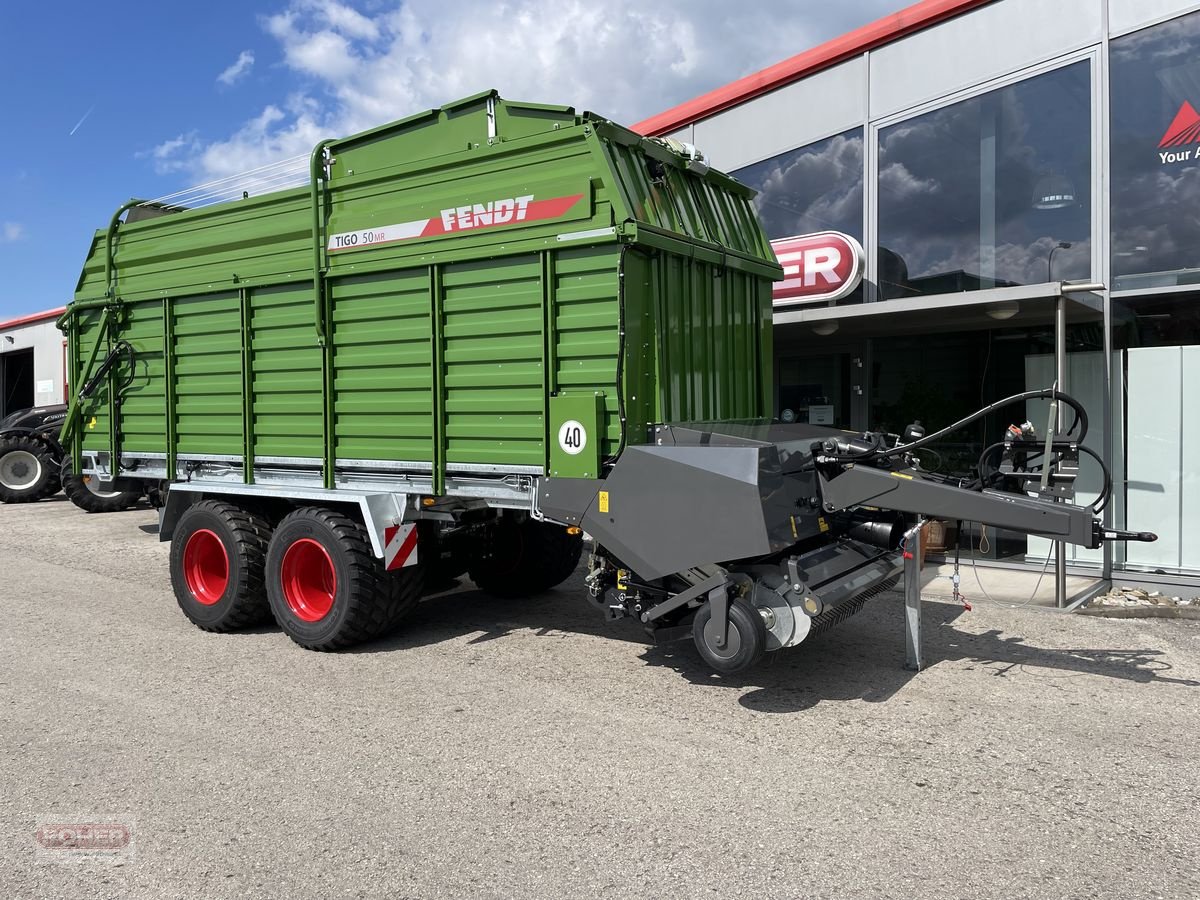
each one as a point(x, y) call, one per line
point(823, 266)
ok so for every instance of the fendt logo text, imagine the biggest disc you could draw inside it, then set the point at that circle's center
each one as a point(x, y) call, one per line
point(480, 215)
point(1183, 130)
point(467, 217)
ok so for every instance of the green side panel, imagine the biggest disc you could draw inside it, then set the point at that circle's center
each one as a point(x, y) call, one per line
point(492, 332)
point(143, 400)
point(286, 366)
point(452, 322)
point(94, 417)
point(587, 326)
point(382, 367)
point(374, 208)
point(709, 353)
point(208, 374)
point(261, 240)
point(452, 128)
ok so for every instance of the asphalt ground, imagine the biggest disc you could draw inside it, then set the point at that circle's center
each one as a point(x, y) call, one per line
point(526, 749)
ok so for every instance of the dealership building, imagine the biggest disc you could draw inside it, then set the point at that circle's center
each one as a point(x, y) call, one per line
point(996, 160)
point(32, 362)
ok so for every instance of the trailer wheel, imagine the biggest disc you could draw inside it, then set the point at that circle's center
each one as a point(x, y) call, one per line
point(28, 470)
point(326, 588)
point(745, 642)
point(526, 558)
point(84, 491)
point(218, 556)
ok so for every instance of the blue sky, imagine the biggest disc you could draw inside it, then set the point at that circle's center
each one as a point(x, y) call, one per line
point(108, 101)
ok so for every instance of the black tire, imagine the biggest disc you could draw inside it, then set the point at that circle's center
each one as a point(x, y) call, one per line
point(747, 638)
point(525, 558)
point(211, 602)
point(327, 590)
point(81, 491)
point(28, 470)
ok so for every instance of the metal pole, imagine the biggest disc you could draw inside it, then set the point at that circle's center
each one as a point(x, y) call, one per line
point(1060, 375)
point(912, 598)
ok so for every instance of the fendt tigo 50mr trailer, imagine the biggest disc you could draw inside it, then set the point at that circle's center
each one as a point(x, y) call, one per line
point(475, 337)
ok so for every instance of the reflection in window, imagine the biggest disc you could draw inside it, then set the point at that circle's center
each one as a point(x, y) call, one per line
point(1155, 142)
point(980, 194)
point(813, 188)
point(817, 187)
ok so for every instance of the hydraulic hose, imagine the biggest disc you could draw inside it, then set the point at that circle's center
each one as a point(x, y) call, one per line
point(1081, 422)
point(1098, 505)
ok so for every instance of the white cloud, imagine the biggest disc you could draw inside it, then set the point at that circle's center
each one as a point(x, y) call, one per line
point(346, 20)
point(11, 231)
point(241, 67)
point(355, 68)
point(175, 155)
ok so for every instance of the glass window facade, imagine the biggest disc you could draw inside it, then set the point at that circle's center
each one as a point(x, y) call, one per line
point(818, 187)
point(1155, 146)
point(978, 194)
point(994, 191)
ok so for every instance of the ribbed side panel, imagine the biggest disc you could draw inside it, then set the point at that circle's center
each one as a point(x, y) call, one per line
point(383, 376)
point(711, 361)
point(144, 399)
point(208, 374)
point(492, 332)
point(686, 205)
point(286, 362)
point(587, 328)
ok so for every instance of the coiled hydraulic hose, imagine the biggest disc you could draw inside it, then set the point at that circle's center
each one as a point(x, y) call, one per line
point(1098, 505)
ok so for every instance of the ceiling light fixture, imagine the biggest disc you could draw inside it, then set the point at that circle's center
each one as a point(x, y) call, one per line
point(1053, 192)
point(1002, 311)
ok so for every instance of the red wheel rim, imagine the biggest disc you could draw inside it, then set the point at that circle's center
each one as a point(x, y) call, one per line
point(205, 566)
point(309, 580)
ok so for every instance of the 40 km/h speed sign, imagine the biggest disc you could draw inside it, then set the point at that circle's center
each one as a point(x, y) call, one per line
point(572, 437)
point(576, 434)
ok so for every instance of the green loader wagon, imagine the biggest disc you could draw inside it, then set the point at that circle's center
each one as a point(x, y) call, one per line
point(475, 336)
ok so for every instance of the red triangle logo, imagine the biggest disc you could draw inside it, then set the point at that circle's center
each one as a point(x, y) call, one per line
point(1184, 128)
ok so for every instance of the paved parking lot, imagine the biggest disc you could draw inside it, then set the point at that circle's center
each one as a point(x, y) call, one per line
point(526, 749)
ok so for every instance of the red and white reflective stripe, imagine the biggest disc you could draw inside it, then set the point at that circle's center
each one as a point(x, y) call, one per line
point(399, 546)
point(468, 217)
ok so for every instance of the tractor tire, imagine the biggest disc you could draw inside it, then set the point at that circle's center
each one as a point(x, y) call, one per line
point(28, 470)
point(326, 588)
point(746, 640)
point(84, 492)
point(526, 558)
point(218, 560)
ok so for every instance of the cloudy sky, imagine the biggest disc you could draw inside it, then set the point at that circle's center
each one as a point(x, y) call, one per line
point(142, 98)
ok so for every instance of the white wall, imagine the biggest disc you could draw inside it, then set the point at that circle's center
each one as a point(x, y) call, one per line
point(990, 42)
point(821, 105)
point(1126, 15)
point(46, 340)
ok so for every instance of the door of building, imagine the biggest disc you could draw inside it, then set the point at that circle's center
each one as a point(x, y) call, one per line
point(16, 381)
